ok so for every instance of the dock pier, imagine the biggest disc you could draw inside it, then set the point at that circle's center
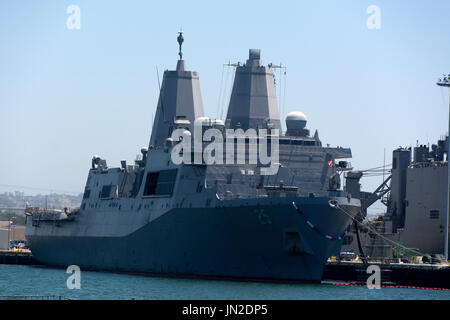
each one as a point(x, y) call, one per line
point(18, 258)
point(399, 274)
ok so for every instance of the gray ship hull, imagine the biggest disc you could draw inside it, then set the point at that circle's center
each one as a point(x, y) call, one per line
point(260, 242)
point(186, 209)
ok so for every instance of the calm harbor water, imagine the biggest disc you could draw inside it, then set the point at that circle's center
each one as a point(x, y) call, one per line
point(31, 280)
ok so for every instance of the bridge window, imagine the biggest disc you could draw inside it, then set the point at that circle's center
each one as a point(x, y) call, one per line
point(106, 192)
point(160, 183)
point(150, 184)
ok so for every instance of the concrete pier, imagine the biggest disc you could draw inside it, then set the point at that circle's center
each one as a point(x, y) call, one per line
point(19, 258)
point(414, 275)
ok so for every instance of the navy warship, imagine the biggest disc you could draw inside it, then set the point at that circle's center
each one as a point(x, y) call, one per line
point(415, 198)
point(415, 225)
point(234, 220)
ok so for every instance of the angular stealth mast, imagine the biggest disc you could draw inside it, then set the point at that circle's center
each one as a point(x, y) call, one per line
point(179, 100)
point(253, 102)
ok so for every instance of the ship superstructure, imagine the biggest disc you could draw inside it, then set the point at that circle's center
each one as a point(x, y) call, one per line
point(195, 218)
point(414, 222)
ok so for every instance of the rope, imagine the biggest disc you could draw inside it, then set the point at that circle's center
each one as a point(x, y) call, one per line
point(160, 97)
point(220, 92)
point(230, 92)
point(327, 236)
point(225, 91)
point(377, 168)
point(284, 95)
point(361, 251)
point(398, 244)
point(280, 87)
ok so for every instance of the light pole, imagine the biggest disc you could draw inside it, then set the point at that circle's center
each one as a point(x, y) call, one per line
point(13, 232)
point(9, 234)
point(445, 82)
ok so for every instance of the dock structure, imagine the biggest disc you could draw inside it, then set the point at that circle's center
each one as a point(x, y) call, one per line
point(400, 274)
point(17, 258)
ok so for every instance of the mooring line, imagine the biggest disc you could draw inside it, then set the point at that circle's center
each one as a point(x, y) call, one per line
point(312, 226)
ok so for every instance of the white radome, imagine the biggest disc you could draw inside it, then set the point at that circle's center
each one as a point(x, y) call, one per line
point(296, 120)
point(296, 116)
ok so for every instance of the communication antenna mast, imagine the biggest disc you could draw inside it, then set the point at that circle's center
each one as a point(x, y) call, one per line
point(384, 162)
point(180, 40)
point(282, 86)
point(445, 82)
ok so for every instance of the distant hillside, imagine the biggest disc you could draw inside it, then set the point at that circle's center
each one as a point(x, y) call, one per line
point(18, 199)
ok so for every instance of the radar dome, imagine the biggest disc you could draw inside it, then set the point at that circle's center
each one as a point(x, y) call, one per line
point(296, 120)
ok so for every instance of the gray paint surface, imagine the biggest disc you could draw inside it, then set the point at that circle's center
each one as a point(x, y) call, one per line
point(220, 220)
point(416, 206)
point(253, 101)
point(179, 97)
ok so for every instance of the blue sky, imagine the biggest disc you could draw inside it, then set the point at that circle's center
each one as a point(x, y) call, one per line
point(68, 94)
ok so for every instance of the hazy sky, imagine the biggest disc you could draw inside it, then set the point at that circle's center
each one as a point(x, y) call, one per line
point(66, 95)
